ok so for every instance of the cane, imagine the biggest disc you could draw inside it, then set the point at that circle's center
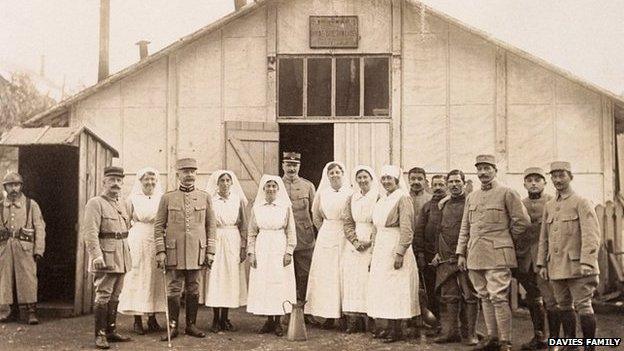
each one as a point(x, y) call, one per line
point(167, 310)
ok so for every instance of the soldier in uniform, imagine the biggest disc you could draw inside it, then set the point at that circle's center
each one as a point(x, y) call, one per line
point(417, 179)
point(485, 247)
point(301, 192)
point(426, 229)
point(184, 232)
point(22, 243)
point(456, 290)
point(539, 292)
point(105, 231)
point(568, 253)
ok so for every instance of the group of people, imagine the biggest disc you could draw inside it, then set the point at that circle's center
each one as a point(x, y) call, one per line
point(366, 249)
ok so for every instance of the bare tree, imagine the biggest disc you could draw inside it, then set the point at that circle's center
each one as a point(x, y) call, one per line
point(20, 99)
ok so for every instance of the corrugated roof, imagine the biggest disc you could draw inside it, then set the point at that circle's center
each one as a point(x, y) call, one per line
point(62, 106)
point(21, 136)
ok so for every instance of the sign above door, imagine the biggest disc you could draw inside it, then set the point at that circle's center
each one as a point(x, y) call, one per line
point(334, 32)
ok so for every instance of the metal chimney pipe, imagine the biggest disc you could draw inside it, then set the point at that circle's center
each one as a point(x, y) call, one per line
point(142, 48)
point(239, 3)
point(103, 69)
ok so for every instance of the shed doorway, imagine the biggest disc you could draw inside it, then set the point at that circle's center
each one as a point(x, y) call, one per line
point(51, 178)
point(315, 142)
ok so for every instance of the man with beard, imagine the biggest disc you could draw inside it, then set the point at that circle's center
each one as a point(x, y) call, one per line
point(105, 229)
point(456, 290)
point(485, 247)
point(301, 192)
point(568, 253)
point(22, 243)
point(425, 235)
point(184, 235)
point(538, 291)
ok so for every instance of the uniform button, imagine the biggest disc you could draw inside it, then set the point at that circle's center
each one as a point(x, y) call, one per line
point(555, 229)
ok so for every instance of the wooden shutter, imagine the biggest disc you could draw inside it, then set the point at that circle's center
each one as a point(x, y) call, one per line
point(251, 150)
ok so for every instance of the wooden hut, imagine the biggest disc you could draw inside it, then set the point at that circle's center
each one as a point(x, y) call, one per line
point(62, 168)
point(360, 81)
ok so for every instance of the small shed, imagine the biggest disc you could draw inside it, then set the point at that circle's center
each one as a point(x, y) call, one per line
point(62, 168)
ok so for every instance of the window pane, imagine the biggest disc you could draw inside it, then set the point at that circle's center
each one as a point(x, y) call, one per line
point(319, 86)
point(290, 87)
point(347, 87)
point(376, 87)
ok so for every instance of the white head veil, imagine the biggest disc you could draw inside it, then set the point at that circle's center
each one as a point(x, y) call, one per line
point(213, 187)
point(374, 184)
point(281, 199)
point(137, 187)
point(396, 172)
point(326, 184)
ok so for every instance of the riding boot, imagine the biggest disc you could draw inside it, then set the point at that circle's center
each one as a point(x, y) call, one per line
point(588, 327)
point(192, 304)
point(111, 327)
point(13, 316)
point(470, 312)
point(173, 304)
point(216, 317)
point(538, 316)
point(452, 333)
point(138, 325)
point(101, 315)
point(568, 322)
point(32, 314)
point(554, 323)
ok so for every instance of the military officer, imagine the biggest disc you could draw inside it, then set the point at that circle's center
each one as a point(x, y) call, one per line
point(105, 231)
point(485, 247)
point(22, 243)
point(184, 232)
point(456, 290)
point(301, 193)
point(568, 252)
point(539, 292)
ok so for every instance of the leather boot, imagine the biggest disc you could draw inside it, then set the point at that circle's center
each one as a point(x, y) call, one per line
point(352, 326)
point(111, 326)
point(471, 314)
point(216, 318)
point(488, 344)
point(554, 323)
point(568, 321)
point(192, 304)
point(32, 314)
point(138, 326)
point(225, 323)
point(101, 315)
point(538, 316)
point(588, 327)
point(13, 315)
point(396, 333)
point(452, 328)
point(152, 324)
point(173, 303)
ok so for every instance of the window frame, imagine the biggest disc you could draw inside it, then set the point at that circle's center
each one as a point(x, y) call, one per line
point(362, 59)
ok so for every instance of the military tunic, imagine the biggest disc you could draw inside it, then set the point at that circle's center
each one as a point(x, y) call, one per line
point(185, 230)
point(17, 263)
point(569, 238)
point(301, 193)
point(105, 231)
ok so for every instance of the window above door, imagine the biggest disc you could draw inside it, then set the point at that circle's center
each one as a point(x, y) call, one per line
point(338, 86)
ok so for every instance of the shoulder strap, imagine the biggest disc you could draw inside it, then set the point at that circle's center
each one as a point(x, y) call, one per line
point(28, 214)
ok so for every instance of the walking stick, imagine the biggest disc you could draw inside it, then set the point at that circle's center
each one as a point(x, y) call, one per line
point(167, 309)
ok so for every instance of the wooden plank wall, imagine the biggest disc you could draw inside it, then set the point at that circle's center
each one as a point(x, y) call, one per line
point(610, 216)
point(93, 158)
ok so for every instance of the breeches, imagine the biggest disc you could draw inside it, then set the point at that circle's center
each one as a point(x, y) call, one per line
point(177, 279)
point(107, 287)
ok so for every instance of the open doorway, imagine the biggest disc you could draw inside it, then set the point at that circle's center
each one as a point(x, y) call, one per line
point(315, 142)
point(51, 178)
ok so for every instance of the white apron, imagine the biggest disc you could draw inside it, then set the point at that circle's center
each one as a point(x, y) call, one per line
point(392, 293)
point(227, 283)
point(143, 289)
point(324, 292)
point(270, 283)
point(354, 268)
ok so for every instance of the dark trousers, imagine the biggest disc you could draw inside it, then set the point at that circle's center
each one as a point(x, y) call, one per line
point(302, 260)
point(429, 277)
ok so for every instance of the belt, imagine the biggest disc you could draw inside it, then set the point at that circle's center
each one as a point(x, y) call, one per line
point(113, 235)
point(5, 235)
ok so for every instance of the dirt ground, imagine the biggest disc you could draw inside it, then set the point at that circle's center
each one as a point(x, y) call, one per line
point(77, 333)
